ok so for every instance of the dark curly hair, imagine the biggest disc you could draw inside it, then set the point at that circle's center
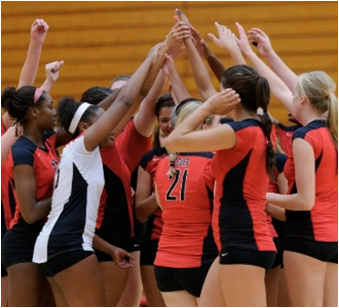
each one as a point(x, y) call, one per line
point(95, 95)
point(66, 109)
point(17, 102)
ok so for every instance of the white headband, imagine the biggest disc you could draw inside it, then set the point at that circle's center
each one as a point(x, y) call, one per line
point(77, 116)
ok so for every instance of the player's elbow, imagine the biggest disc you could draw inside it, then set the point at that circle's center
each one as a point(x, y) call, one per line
point(307, 203)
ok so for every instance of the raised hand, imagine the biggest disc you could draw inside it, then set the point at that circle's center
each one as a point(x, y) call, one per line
point(39, 30)
point(243, 42)
point(168, 67)
point(222, 102)
point(175, 38)
point(226, 40)
point(182, 17)
point(122, 258)
point(261, 40)
point(200, 44)
point(153, 52)
point(52, 70)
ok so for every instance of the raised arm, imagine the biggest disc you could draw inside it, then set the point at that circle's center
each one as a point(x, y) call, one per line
point(205, 53)
point(39, 29)
point(145, 118)
point(227, 40)
point(177, 85)
point(8, 139)
point(52, 74)
point(200, 72)
point(38, 34)
point(185, 138)
point(127, 101)
point(262, 41)
point(278, 88)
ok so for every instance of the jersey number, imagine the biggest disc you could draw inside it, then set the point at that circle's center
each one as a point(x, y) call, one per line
point(56, 178)
point(169, 197)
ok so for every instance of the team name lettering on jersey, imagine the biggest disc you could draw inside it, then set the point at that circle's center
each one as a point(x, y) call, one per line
point(182, 162)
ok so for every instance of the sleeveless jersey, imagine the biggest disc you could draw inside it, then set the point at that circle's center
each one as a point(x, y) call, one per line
point(240, 195)
point(78, 186)
point(187, 200)
point(45, 162)
point(149, 163)
point(321, 222)
point(284, 134)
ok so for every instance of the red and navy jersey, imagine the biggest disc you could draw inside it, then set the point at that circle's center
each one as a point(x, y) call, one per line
point(284, 134)
point(44, 161)
point(187, 201)
point(149, 163)
point(116, 212)
point(320, 223)
point(132, 145)
point(115, 215)
point(240, 195)
point(273, 186)
point(7, 197)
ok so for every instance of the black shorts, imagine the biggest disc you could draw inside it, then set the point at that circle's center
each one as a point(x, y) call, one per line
point(278, 255)
point(62, 261)
point(16, 248)
point(323, 251)
point(177, 279)
point(3, 271)
point(235, 255)
point(128, 244)
point(148, 252)
point(280, 228)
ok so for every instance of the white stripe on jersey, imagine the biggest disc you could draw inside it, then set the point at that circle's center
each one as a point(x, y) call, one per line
point(82, 170)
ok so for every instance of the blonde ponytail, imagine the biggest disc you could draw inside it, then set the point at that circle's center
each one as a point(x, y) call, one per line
point(172, 172)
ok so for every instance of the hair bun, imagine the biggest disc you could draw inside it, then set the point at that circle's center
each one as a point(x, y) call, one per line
point(7, 97)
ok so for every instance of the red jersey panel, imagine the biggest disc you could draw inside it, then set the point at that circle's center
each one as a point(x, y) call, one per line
point(239, 218)
point(284, 134)
point(7, 197)
point(321, 223)
point(116, 208)
point(131, 146)
point(186, 240)
point(149, 163)
point(44, 161)
point(115, 215)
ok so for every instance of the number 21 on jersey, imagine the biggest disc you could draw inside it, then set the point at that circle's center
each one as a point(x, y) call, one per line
point(178, 186)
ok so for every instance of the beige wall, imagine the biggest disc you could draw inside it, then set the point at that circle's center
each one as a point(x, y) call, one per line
point(99, 40)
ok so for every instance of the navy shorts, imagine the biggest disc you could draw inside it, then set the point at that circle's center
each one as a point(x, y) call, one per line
point(177, 279)
point(62, 261)
point(127, 244)
point(278, 255)
point(148, 252)
point(323, 251)
point(16, 248)
point(235, 255)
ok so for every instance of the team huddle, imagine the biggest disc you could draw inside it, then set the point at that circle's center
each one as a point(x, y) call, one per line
point(217, 204)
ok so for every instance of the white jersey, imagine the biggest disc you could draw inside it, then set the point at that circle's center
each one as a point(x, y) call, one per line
point(79, 182)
